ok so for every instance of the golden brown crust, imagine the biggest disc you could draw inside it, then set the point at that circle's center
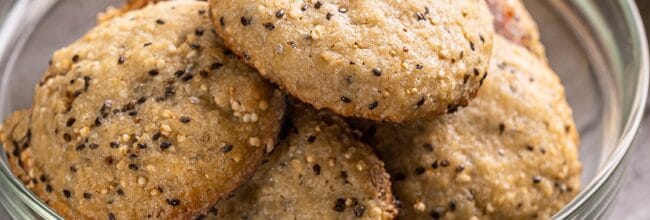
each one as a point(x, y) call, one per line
point(511, 154)
point(390, 60)
point(320, 171)
point(157, 122)
point(514, 22)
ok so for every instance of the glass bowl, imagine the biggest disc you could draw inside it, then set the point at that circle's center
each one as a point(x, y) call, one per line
point(597, 47)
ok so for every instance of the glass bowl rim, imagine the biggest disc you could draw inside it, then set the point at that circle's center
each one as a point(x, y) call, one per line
point(628, 134)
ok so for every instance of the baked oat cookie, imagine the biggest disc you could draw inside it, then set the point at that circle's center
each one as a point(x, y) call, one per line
point(320, 171)
point(148, 116)
point(514, 22)
point(381, 60)
point(511, 154)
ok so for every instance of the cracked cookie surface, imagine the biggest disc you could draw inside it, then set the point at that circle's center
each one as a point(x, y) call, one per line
point(381, 60)
point(146, 116)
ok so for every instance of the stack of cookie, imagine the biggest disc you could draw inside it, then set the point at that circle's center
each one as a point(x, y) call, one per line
point(300, 110)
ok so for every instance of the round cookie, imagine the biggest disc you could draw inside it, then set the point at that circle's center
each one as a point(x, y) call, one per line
point(148, 116)
point(319, 171)
point(511, 154)
point(380, 60)
point(514, 22)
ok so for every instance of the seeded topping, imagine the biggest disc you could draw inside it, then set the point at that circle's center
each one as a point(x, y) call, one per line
point(165, 145)
point(173, 202)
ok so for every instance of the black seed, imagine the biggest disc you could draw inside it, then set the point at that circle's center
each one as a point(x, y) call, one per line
point(147, 44)
point(73, 169)
point(75, 58)
point(133, 156)
point(141, 100)
point(328, 16)
point(70, 122)
point(434, 165)
point(67, 193)
point(418, 66)
point(48, 188)
point(311, 139)
point(419, 170)
point(120, 192)
point(339, 205)
point(343, 10)
point(452, 108)
point(195, 46)
point(460, 168)
point(269, 26)
point(421, 101)
point(316, 169)
point(444, 163)
point(198, 32)
point(114, 145)
point(318, 5)
point(529, 148)
point(215, 66)
point(185, 119)
point(133, 166)
point(179, 73)
point(471, 45)
point(43, 178)
point(345, 99)
point(188, 77)
point(120, 60)
point(93, 146)
point(173, 202)
point(420, 16)
point(537, 179)
point(153, 72)
point(246, 20)
point(465, 79)
point(165, 144)
point(452, 205)
point(476, 72)
point(304, 7)
point(279, 13)
point(373, 105)
point(108, 160)
point(483, 79)
point(502, 128)
point(160, 21)
point(227, 148)
point(376, 71)
point(222, 22)
point(87, 195)
point(142, 145)
point(359, 210)
point(67, 137)
point(80, 147)
point(155, 136)
point(111, 216)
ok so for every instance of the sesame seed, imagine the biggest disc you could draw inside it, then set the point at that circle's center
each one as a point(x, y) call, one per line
point(421, 101)
point(452, 205)
point(537, 179)
point(420, 16)
point(465, 79)
point(339, 205)
point(316, 169)
point(222, 22)
point(215, 66)
point(153, 72)
point(165, 145)
point(155, 136)
point(80, 147)
point(160, 21)
point(434, 165)
point(67, 137)
point(147, 44)
point(173, 202)
point(120, 192)
point(179, 73)
point(304, 7)
point(108, 160)
point(328, 16)
point(460, 168)
point(114, 145)
point(195, 46)
point(269, 26)
point(227, 148)
point(87, 195)
point(70, 122)
point(67, 193)
point(444, 163)
point(359, 210)
point(343, 10)
point(246, 20)
point(345, 99)
point(318, 5)
point(376, 71)
point(373, 105)
point(502, 128)
point(48, 188)
point(187, 77)
point(120, 60)
point(93, 146)
point(198, 32)
point(111, 216)
point(75, 58)
point(311, 139)
point(142, 145)
point(471, 46)
point(133, 166)
point(185, 119)
point(201, 12)
point(419, 170)
point(418, 66)
point(279, 13)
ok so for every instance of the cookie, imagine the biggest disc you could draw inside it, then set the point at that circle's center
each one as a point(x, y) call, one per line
point(514, 22)
point(511, 154)
point(320, 171)
point(380, 60)
point(148, 116)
